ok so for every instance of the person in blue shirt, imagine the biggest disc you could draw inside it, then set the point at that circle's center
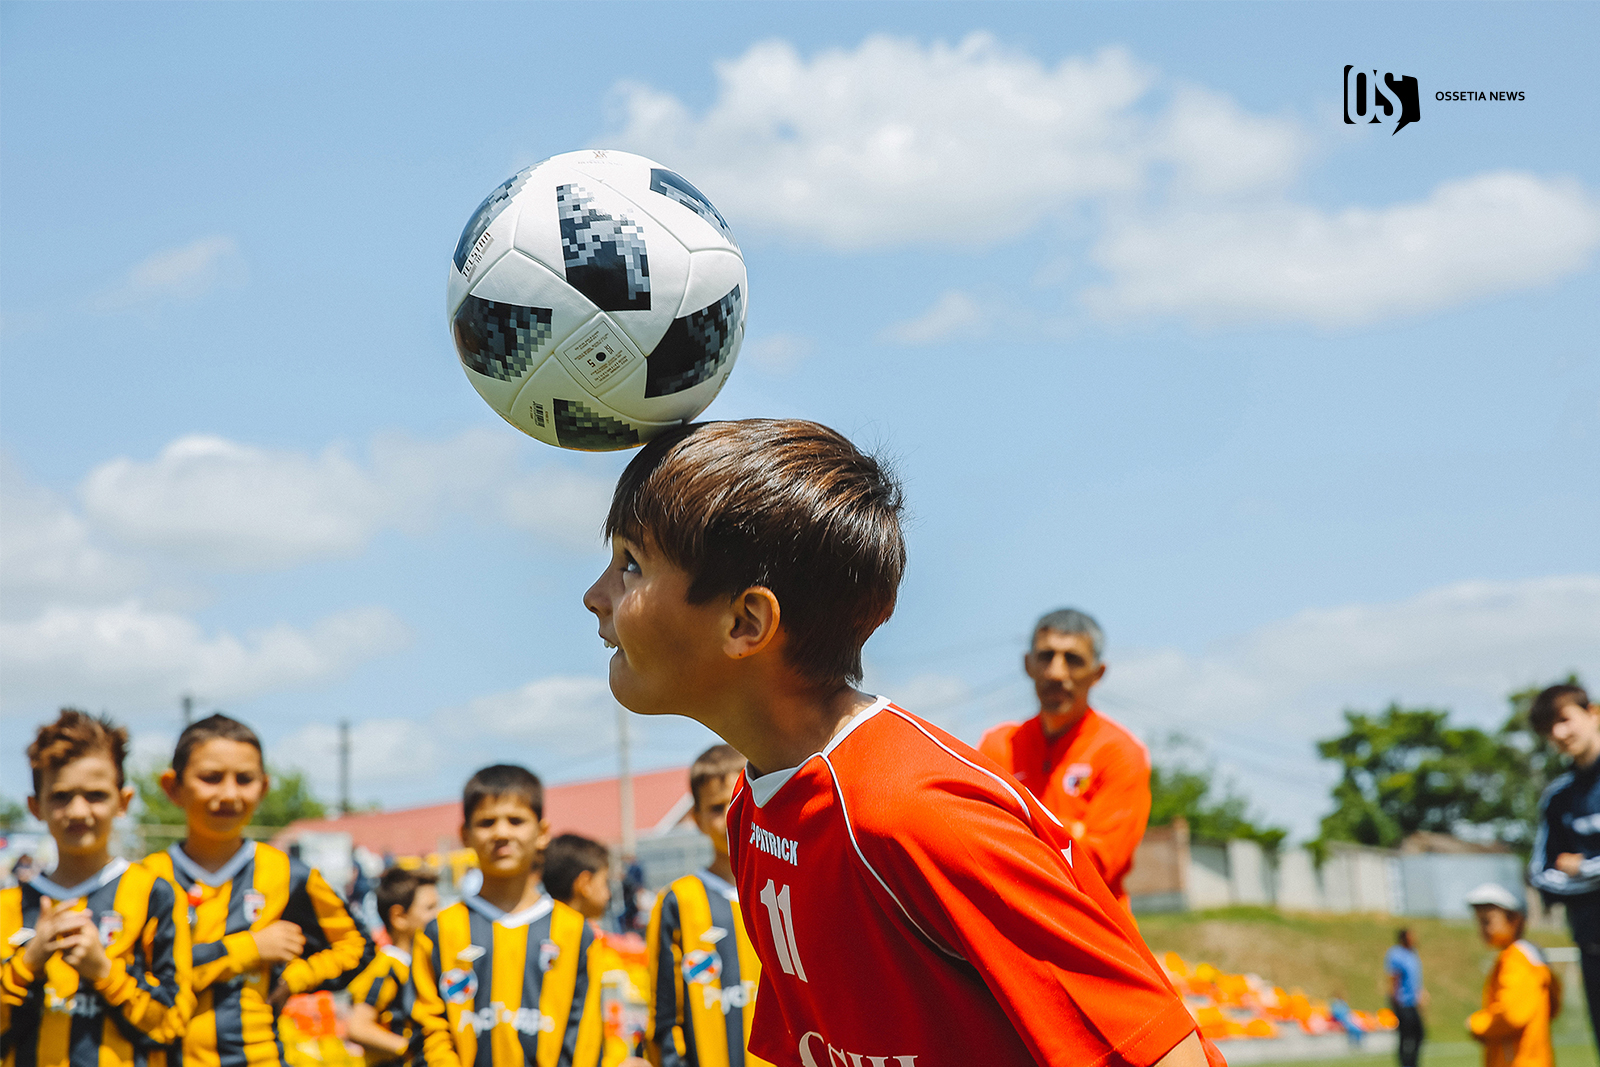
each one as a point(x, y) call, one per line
point(1407, 997)
point(1565, 864)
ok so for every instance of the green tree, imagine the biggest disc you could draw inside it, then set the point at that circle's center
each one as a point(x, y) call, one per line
point(1214, 812)
point(1409, 769)
point(12, 814)
point(290, 798)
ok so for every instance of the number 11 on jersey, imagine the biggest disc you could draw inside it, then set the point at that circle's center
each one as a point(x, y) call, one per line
point(782, 919)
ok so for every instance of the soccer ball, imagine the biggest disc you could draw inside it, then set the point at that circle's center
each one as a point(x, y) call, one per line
point(597, 299)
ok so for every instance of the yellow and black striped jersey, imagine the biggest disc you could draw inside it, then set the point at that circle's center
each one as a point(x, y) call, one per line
point(703, 976)
point(499, 990)
point(50, 1019)
point(386, 986)
point(234, 1024)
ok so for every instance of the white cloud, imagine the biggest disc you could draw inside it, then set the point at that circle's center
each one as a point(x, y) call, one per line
point(1219, 148)
point(47, 553)
point(954, 316)
point(381, 751)
point(570, 710)
point(219, 503)
point(1282, 262)
point(176, 274)
point(1258, 702)
point(778, 353)
point(131, 658)
point(896, 141)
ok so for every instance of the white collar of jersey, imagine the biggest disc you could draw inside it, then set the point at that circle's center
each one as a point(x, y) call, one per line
point(219, 877)
point(713, 882)
point(397, 953)
point(510, 920)
point(766, 787)
point(109, 873)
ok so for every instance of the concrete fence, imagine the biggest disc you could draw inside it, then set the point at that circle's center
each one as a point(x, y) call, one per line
point(1171, 872)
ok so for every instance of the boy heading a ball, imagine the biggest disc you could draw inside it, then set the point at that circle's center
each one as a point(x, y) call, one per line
point(911, 905)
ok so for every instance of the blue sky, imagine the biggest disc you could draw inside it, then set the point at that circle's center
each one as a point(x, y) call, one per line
point(1305, 413)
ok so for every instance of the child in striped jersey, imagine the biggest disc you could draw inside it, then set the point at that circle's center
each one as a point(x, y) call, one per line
point(94, 957)
point(507, 976)
point(577, 872)
point(703, 969)
point(382, 995)
point(265, 925)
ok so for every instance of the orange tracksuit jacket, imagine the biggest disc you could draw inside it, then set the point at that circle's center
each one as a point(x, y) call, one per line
point(1520, 997)
point(1095, 778)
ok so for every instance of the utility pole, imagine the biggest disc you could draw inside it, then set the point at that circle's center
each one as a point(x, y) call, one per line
point(188, 709)
point(344, 766)
point(630, 835)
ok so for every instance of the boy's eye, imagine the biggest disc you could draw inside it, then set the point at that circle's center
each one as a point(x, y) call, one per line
point(97, 796)
point(629, 564)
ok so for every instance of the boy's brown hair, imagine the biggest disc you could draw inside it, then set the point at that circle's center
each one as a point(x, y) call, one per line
point(500, 780)
point(1548, 704)
point(398, 886)
point(569, 856)
point(781, 503)
point(714, 764)
point(74, 735)
point(211, 728)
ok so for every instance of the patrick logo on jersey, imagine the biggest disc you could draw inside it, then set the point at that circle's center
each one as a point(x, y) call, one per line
point(812, 1045)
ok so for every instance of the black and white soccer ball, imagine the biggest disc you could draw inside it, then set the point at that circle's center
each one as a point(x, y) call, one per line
point(597, 299)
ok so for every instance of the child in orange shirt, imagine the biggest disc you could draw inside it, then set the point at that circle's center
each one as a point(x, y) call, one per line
point(1521, 994)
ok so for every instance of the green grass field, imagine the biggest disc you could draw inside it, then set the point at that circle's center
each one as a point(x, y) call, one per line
point(1342, 956)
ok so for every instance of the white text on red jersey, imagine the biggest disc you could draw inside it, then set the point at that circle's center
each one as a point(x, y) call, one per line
point(773, 845)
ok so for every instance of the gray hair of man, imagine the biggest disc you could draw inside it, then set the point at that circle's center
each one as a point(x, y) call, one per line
point(1073, 621)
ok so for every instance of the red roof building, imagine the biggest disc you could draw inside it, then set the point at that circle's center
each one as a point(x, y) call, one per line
point(594, 809)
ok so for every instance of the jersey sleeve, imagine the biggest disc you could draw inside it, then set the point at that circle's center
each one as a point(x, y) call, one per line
point(664, 959)
point(428, 1010)
point(1046, 936)
point(349, 949)
point(1519, 993)
point(583, 1043)
point(155, 996)
point(1118, 811)
point(372, 986)
point(16, 977)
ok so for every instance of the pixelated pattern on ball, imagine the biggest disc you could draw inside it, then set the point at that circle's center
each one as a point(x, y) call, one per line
point(605, 255)
point(579, 426)
point(487, 211)
point(500, 340)
point(675, 187)
point(694, 347)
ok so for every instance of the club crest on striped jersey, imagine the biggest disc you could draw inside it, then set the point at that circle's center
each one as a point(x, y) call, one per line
point(457, 986)
point(702, 967)
point(255, 902)
point(549, 952)
point(110, 926)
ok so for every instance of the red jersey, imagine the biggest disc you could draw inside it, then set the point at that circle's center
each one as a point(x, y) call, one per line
point(1095, 778)
point(912, 908)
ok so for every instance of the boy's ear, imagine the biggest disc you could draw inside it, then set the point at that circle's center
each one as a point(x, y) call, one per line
point(169, 785)
point(126, 798)
point(33, 807)
point(544, 834)
point(464, 842)
point(754, 619)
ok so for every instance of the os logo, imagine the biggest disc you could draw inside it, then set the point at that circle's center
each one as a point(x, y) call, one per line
point(1364, 99)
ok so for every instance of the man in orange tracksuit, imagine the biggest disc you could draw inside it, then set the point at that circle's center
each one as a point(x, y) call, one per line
point(1090, 772)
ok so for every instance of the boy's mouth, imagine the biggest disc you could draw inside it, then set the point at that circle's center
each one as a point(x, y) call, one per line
point(607, 641)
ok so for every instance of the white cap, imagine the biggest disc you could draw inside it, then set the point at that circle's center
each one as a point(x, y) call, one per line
point(1497, 895)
